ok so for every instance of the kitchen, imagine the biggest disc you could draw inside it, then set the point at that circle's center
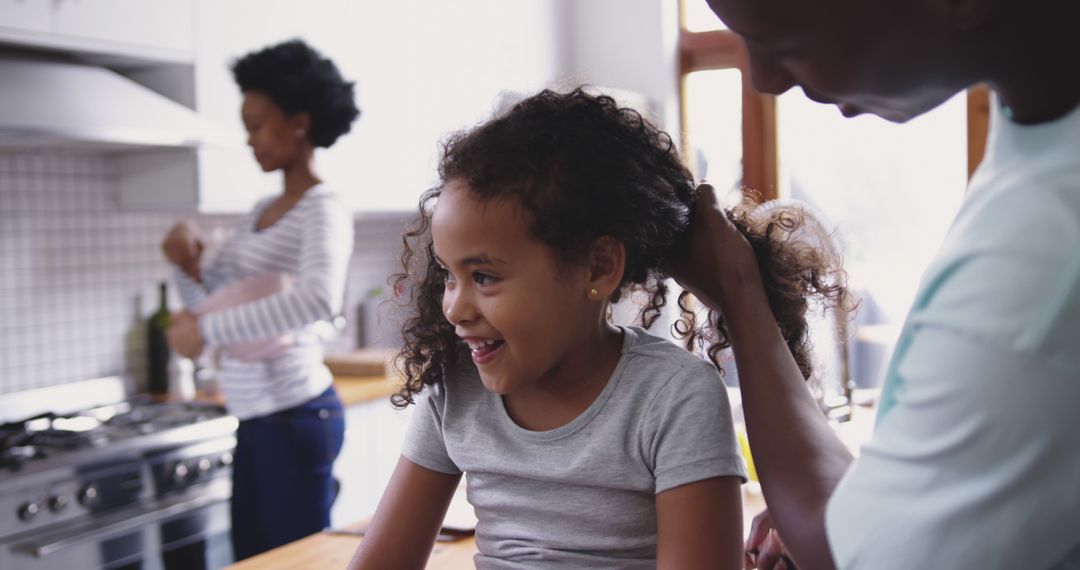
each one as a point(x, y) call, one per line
point(84, 203)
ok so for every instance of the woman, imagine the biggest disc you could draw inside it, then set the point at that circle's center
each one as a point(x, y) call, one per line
point(291, 423)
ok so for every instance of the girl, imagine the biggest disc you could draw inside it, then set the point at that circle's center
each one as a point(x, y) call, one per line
point(291, 421)
point(585, 445)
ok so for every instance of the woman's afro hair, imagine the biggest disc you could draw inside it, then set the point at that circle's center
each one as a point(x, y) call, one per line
point(300, 80)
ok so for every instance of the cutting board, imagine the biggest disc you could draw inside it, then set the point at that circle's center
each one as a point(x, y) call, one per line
point(360, 362)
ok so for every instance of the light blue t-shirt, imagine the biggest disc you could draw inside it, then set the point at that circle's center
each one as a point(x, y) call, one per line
point(975, 459)
point(582, 495)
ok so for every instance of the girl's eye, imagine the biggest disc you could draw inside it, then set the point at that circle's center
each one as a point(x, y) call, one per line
point(484, 279)
point(445, 276)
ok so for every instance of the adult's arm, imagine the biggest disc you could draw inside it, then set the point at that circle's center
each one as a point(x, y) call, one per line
point(699, 525)
point(407, 520)
point(799, 460)
point(326, 243)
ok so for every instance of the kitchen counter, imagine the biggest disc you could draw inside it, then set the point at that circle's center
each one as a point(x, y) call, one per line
point(334, 550)
point(358, 389)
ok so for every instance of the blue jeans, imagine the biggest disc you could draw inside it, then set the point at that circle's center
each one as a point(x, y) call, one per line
point(282, 482)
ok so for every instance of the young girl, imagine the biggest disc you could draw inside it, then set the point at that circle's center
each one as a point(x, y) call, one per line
point(585, 445)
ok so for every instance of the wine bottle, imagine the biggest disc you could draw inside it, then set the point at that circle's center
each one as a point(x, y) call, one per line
point(157, 347)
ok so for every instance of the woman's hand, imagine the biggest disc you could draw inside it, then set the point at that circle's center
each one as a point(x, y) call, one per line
point(183, 335)
point(718, 259)
point(764, 548)
point(183, 248)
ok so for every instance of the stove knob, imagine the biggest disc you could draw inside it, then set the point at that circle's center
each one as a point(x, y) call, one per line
point(226, 459)
point(88, 496)
point(58, 503)
point(180, 473)
point(204, 466)
point(28, 511)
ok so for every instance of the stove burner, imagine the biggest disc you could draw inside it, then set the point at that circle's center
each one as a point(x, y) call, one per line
point(50, 434)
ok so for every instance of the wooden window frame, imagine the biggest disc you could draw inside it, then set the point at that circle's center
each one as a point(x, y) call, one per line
point(722, 49)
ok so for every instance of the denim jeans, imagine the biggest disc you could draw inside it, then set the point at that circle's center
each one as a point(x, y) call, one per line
point(282, 482)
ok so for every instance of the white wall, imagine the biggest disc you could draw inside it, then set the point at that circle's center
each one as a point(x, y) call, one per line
point(626, 44)
point(423, 68)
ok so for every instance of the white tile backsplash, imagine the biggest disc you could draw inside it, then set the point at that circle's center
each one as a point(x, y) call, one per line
point(78, 276)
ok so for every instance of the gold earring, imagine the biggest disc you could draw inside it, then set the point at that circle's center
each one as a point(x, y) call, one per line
point(593, 292)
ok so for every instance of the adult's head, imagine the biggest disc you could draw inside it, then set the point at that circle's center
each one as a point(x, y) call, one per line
point(294, 100)
point(893, 58)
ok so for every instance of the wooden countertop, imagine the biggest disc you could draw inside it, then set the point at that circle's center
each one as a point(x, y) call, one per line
point(351, 389)
point(331, 550)
point(335, 550)
point(358, 389)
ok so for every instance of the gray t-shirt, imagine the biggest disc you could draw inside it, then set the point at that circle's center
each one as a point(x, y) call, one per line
point(582, 495)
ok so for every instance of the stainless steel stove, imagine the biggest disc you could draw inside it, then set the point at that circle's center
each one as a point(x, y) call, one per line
point(128, 484)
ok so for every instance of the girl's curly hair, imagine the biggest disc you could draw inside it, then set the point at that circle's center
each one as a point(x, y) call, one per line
point(582, 167)
point(299, 79)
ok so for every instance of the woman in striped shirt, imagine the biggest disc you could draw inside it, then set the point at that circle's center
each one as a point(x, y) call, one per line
point(291, 423)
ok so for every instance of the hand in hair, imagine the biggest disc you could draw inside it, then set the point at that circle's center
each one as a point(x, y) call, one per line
point(718, 260)
point(765, 549)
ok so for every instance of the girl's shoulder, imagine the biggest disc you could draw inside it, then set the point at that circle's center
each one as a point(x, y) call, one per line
point(658, 368)
point(649, 350)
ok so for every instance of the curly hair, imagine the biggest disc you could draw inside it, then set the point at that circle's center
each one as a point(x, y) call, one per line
point(300, 80)
point(582, 167)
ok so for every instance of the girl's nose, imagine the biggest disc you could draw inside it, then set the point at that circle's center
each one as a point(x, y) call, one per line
point(458, 306)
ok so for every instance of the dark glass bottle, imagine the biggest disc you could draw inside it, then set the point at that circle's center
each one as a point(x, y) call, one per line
point(157, 347)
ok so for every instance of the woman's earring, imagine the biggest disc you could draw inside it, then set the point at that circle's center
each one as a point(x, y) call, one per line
point(299, 133)
point(593, 292)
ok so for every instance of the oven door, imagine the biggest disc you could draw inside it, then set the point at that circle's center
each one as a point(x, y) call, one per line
point(167, 533)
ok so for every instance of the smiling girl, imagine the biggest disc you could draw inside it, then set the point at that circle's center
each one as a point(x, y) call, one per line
point(585, 445)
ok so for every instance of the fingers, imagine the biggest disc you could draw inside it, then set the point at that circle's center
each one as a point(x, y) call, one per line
point(771, 555)
point(759, 530)
point(706, 195)
point(184, 249)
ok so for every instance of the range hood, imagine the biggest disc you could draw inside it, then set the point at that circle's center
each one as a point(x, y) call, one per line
point(51, 103)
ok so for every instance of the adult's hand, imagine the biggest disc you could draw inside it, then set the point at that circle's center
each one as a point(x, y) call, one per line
point(183, 335)
point(764, 547)
point(717, 258)
point(183, 247)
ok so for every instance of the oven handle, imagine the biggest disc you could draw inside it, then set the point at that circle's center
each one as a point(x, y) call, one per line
point(106, 531)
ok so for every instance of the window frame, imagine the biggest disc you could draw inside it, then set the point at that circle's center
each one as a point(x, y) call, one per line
point(723, 49)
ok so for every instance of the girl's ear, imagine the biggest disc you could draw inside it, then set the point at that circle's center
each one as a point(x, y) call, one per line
point(607, 261)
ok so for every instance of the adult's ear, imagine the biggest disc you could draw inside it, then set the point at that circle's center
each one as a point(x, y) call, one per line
point(607, 262)
point(301, 123)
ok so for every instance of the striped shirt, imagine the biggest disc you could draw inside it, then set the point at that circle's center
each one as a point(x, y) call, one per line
point(312, 242)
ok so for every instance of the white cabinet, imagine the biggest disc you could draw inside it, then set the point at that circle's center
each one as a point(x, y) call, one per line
point(25, 15)
point(159, 23)
point(150, 30)
point(374, 434)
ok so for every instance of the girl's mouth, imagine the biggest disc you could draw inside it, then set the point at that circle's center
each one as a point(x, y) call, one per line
point(485, 351)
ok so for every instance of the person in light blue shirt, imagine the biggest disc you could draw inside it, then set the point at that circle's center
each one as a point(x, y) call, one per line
point(974, 461)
